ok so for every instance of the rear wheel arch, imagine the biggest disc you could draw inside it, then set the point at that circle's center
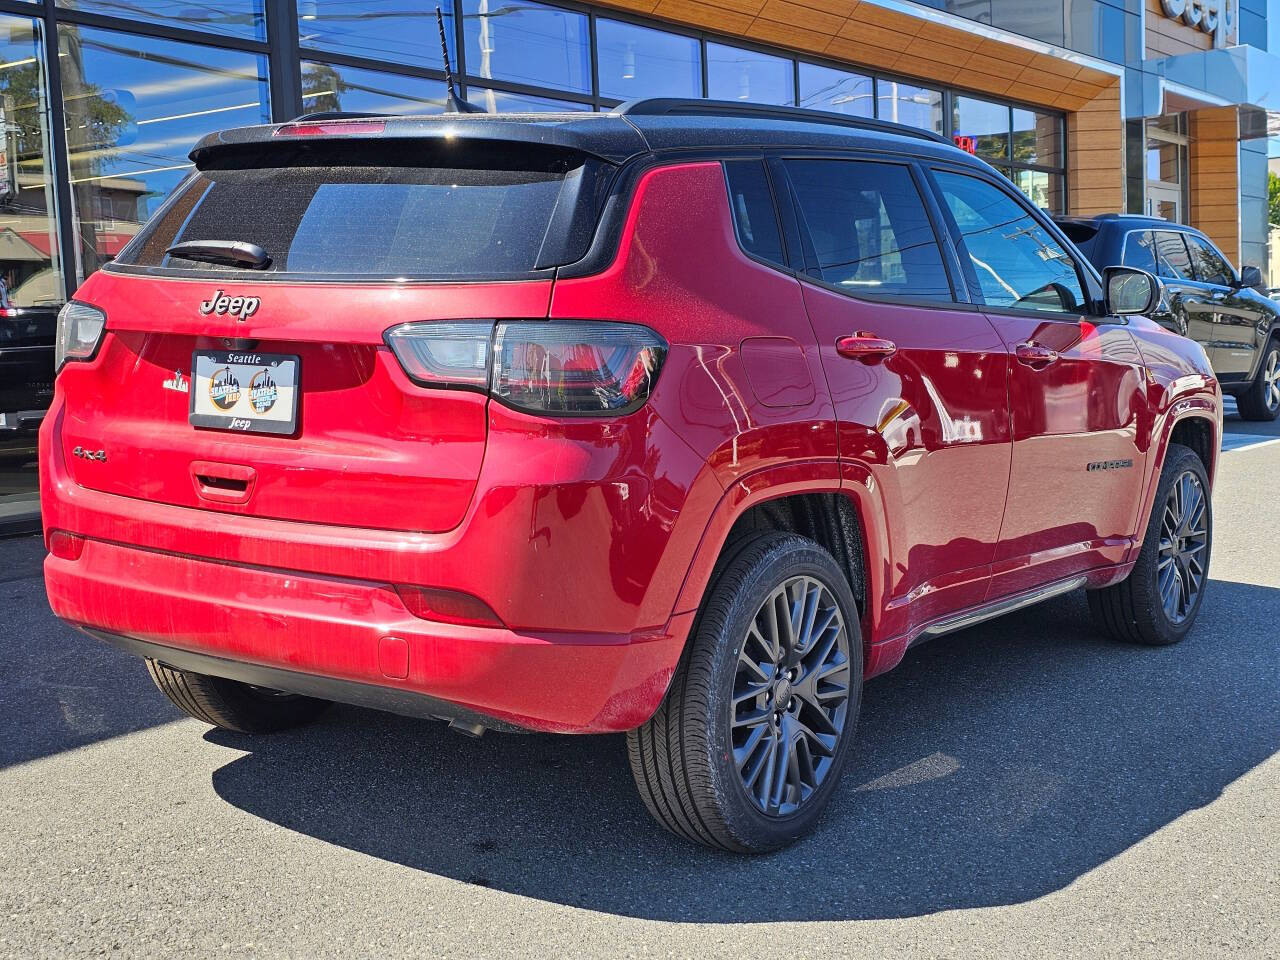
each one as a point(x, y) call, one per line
point(1199, 434)
point(842, 521)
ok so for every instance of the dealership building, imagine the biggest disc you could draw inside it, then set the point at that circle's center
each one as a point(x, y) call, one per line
point(1157, 106)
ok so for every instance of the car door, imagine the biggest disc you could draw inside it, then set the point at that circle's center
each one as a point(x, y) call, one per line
point(918, 379)
point(1236, 339)
point(1076, 387)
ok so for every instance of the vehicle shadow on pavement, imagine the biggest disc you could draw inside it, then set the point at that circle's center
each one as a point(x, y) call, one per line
point(992, 767)
point(60, 689)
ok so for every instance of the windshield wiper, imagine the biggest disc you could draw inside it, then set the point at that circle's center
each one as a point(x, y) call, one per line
point(231, 253)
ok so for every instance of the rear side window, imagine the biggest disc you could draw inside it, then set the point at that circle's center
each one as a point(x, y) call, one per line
point(754, 214)
point(1209, 265)
point(365, 220)
point(868, 228)
point(1172, 260)
point(1017, 262)
point(1140, 251)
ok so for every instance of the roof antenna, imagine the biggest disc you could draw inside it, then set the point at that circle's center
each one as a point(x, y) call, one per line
point(452, 104)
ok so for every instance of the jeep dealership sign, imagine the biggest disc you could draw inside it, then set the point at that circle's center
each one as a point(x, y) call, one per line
point(1218, 18)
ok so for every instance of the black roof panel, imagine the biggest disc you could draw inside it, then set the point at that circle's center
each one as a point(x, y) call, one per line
point(635, 128)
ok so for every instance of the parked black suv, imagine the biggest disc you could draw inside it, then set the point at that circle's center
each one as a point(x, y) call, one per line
point(1206, 299)
point(26, 376)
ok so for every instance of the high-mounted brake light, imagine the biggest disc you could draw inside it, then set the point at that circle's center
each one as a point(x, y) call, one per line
point(567, 367)
point(331, 128)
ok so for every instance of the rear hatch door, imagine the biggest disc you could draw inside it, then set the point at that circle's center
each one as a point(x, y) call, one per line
point(361, 237)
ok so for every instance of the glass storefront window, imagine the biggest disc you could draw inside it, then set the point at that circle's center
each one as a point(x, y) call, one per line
point(527, 43)
point(500, 101)
point(328, 87)
point(30, 270)
point(31, 286)
point(822, 88)
point(903, 103)
point(378, 29)
point(1042, 187)
point(234, 18)
point(134, 108)
point(641, 62)
point(1037, 137)
point(748, 75)
point(982, 128)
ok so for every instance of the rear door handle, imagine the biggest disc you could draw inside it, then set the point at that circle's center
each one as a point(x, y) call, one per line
point(223, 482)
point(1035, 355)
point(866, 347)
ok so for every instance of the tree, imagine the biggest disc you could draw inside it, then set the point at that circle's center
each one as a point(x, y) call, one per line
point(1273, 198)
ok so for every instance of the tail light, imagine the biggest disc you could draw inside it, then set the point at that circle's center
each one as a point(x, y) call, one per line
point(563, 367)
point(80, 329)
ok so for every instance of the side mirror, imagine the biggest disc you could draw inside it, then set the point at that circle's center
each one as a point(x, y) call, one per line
point(1251, 277)
point(1131, 291)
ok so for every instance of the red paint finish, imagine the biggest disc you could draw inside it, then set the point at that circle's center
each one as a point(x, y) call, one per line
point(1077, 394)
point(571, 554)
point(929, 426)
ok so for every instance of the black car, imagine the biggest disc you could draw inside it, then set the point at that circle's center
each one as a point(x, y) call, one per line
point(26, 379)
point(1206, 299)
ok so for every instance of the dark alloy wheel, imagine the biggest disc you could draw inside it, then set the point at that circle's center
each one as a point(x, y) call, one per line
point(748, 746)
point(1158, 601)
point(1261, 401)
point(1184, 541)
point(790, 695)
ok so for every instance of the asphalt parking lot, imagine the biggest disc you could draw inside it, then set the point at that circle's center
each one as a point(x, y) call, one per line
point(1023, 789)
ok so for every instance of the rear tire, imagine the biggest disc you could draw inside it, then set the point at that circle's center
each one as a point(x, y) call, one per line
point(1261, 401)
point(233, 705)
point(738, 699)
point(1173, 565)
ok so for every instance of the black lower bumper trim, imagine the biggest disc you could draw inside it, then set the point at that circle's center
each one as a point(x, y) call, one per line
point(390, 699)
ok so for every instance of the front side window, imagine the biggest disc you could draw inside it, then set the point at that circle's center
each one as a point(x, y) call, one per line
point(1208, 263)
point(1172, 259)
point(1018, 263)
point(868, 228)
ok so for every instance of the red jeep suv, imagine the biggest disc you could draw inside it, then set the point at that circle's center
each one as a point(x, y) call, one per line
point(682, 420)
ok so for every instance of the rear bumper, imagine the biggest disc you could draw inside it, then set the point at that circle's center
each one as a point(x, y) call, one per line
point(353, 640)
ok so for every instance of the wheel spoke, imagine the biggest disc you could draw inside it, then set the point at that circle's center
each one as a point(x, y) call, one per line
point(782, 761)
point(751, 748)
point(790, 690)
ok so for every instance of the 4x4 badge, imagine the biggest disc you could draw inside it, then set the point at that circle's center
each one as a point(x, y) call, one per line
point(242, 308)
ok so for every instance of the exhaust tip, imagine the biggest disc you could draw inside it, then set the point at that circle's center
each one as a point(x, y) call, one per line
point(466, 728)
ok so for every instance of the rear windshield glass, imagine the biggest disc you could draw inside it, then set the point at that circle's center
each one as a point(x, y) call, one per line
point(361, 220)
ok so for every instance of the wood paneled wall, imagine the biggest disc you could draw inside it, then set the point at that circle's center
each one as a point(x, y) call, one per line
point(865, 34)
point(1095, 156)
point(1215, 176)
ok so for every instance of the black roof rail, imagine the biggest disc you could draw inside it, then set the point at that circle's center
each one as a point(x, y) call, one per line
point(337, 115)
point(674, 107)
